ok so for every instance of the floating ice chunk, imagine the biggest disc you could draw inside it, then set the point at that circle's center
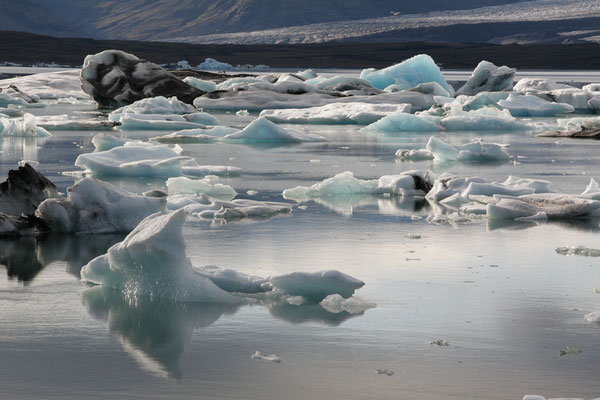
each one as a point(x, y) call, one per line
point(536, 185)
point(316, 286)
point(22, 127)
point(166, 121)
point(593, 317)
point(197, 135)
point(577, 98)
point(258, 98)
point(151, 262)
point(526, 85)
point(206, 86)
point(592, 190)
point(440, 343)
point(407, 74)
point(487, 77)
point(336, 113)
point(339, 185)
point(215, 170)
point(135, 160)
point(414, 155)
point(94, 207)
point(335, 303)
point(447, 185)
point(183, 185)
point(476, 151)
point(205, 208)
point(66, 122)
point(242, 113)
point(50, 85)
point(348, 84)
point(307, 74)
point(210, 64)
point(578, 251)
point(533, 397)
point(263, 130)
point(266, 357)
point(408, 183)
point(232, 83)
point(233, 281)
point(481, 122)
point(432, 88)
point(533, 106)
point(107, 142)
point(7, 100)
point(570, 350)
point(554, 205)
point(153, 105)
point(404, 122)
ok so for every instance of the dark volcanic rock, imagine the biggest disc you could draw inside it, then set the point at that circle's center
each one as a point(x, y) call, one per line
point(114, 77)
point(23, 191)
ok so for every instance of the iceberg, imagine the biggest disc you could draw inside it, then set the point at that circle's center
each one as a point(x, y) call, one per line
point(22, 127)
point(205, 86)
point(545, 205)
point(135, 160)
point(219, 210)
point(487, 77)
point(482, 122)
point(438, 150)
point(348, 85)
point(578, 251)
point(107, 142)
point(67, 123)
point(336, 113)
point(50, 85)
point(533, 106)
point(316, 286)
point(115, 77)
point(153, 105)
point(95, 207)
point(334, 303)
point(197, 135)
point(407, 74)
point(233, 281)
point(404, 122)
point(536, 85)
point(210, 64)
point(166, 121)
point(266, 357)
point(151, 262)
point(183, 185)
point(23, 191)
point(263, 130)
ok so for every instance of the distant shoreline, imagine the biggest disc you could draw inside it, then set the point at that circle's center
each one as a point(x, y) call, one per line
point(27, 48)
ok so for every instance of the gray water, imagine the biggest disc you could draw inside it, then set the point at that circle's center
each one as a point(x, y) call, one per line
point(505, 301)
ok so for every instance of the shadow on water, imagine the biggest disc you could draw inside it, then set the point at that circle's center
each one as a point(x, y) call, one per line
point(25, 257)
point(574, 224)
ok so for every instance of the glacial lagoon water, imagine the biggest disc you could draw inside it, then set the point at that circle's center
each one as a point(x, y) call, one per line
point(498, 293)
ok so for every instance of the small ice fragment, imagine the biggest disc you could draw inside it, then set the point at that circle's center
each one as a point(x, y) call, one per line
point(251, 192)
point(314, 161)
point(533, 397)
point(593, 316)
point(354, 305)
point(302, 207)
point(597, 290)
point(441, 343)
point(384, 372)
point(578, 251)
point(33, 163)
point(570, 350)
point(242, 113)
point(413, 236)
point(266, 357)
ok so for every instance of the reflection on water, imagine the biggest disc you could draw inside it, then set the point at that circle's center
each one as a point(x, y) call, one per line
point(308, 313)
point(25, 257)
point(575, 224)
point(153, 333)
point(19, 148)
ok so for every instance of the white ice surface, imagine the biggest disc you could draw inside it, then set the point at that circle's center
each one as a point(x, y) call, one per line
point(475, 151)
point(93, 207)
point(22, 127)
point(263, 130)
point(50, 85)
point(488, 77)
point(533, 106)
point(183, 185)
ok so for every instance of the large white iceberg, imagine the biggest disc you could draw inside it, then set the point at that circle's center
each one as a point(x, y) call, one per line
point(336, 113)
point(210, 64)
point(407, 74)
point(93, 207)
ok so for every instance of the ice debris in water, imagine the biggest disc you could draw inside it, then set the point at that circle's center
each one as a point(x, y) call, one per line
point(593, 316)
point(407, 74)
point(219, 210)
point(578, 251)
point(153, 105)
point(487, 77)
point(263, 130)
point(233, 281)
point(542, 206)
point(316, 286)
point(93, 207)
point(26, 126)
point(570, 350)
point(183, 185)
point(151, 262)
point(206, 86)
point(384, 372)
point(334, 303)
point(196, 135)
point(336, 113)
point(440, 343)
point(266, 357)
point(438, 150)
